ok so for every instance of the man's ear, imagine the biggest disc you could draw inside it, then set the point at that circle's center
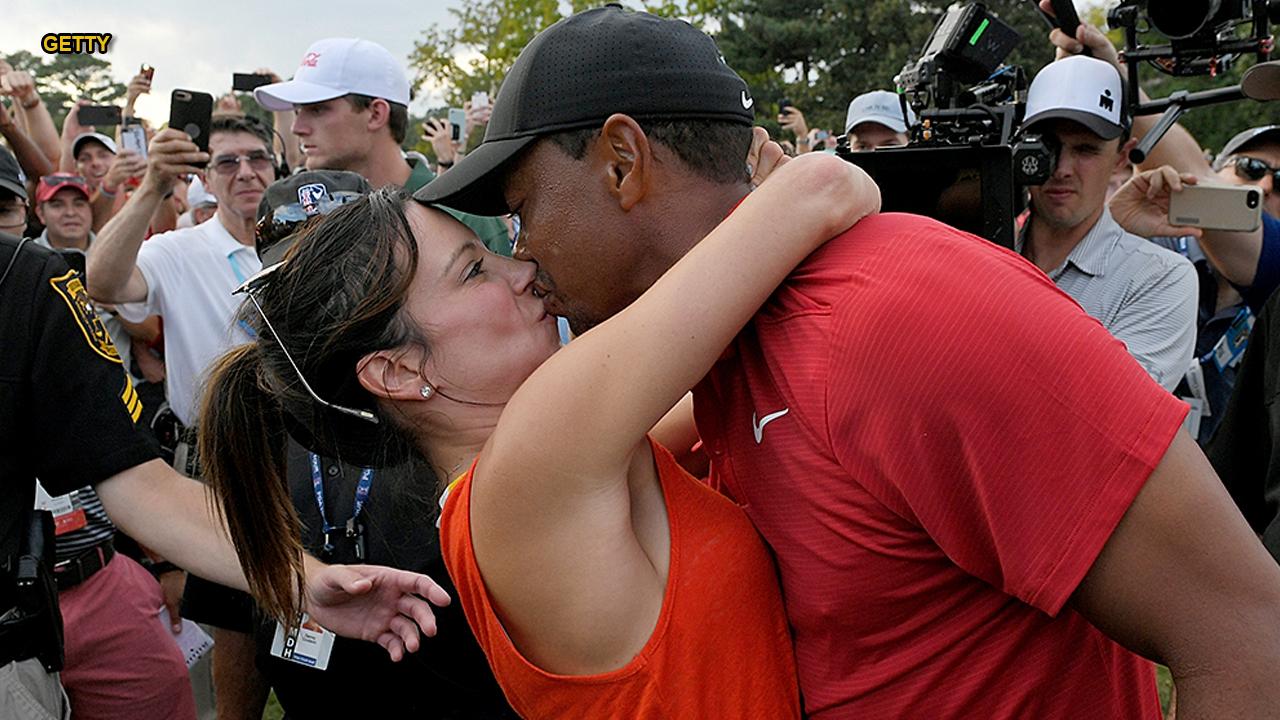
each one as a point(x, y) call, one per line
point(1128, 145)
point(391, 374)
point(627, 159)
point(40, 213)
point(379, 115)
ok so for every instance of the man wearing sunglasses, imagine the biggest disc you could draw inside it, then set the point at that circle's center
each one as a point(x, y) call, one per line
point(187, 276)
point(1253, 158)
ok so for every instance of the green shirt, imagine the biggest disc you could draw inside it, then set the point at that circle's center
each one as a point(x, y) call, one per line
point(492, 231)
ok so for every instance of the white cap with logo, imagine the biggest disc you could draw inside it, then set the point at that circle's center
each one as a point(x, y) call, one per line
point(878, 106)
point(336, 67)
point(1079, 88)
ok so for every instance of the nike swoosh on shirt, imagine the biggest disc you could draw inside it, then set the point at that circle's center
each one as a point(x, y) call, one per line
point(758, 427)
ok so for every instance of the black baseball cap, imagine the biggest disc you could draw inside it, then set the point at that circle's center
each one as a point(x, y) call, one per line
point(577, 73)
point(289, 203)
point(11, 177)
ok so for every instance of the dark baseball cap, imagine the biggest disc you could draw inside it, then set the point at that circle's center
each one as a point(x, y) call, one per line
point(11, 177)
point(1244, 140)
point(577, 73)
point(290, 202)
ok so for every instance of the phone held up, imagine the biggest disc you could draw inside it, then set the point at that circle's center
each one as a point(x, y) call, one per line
point(98, 115)
point(147, 71)
point(1217, 207)
point(247, 82)
point(191, 112)
point(133, 137)
point(457, 124)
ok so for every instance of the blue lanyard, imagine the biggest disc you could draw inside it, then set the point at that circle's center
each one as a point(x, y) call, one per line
point(317, 484)
point(235, 268)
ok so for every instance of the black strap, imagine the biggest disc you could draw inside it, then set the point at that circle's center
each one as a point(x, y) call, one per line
point(13, 260)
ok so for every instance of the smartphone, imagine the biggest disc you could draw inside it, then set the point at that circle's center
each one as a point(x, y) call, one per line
point(783, 104)
point(823, 135)
point(246, 82)
point(99, 115)
point(190, 111)
point(1067, 19)
point(457, 122)
point(1235, 208)
point(147, 70)
point(134, 137)
point(479, 100)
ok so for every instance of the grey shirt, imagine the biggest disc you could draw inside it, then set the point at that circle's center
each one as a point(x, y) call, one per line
point(1145, 295)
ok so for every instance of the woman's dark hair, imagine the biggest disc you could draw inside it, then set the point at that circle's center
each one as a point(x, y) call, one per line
point(338, 296)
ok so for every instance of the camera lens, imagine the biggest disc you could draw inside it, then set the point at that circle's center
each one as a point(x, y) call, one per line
point(1252, 199)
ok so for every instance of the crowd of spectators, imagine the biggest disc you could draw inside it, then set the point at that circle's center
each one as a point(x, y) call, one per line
point(163, 244)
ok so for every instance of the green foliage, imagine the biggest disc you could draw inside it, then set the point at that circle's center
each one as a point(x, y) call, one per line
point(63, 79)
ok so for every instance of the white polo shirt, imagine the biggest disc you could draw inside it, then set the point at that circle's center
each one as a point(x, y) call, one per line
point(190, 274)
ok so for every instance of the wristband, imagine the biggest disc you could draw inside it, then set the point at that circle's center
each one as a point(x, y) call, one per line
point(33, 105)
point(102, 189)
point(443, 164)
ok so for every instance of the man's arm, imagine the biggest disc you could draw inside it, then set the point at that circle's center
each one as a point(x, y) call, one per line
point(1183, 581)
point(31, 112)
point(112, 262)
point(29, 156)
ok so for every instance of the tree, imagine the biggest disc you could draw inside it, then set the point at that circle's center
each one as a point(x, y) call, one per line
point(64, 79)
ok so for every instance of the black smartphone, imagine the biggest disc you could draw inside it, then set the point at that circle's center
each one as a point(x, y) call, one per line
point(246, 82)
point(99, 115)
point(783, 104)
point(190, 111)
point(1067, 19)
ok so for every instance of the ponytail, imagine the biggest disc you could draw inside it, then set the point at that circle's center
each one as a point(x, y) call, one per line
point(242, 443)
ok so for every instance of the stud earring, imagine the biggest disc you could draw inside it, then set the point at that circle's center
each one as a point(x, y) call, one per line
point(427, 391)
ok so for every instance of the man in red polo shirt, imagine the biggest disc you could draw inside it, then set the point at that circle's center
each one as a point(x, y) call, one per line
point(977, 499)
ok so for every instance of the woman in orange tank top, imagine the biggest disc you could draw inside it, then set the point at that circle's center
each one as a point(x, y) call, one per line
point(600, 579)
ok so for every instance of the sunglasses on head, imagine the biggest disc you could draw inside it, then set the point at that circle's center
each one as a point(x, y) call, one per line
point(1254, 169)
point(56, 180)
point(251, 288)
point(288, 219)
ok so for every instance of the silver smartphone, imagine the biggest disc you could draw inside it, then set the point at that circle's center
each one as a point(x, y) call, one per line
point(1236, 208)
point(134, 138)
point(458, 125)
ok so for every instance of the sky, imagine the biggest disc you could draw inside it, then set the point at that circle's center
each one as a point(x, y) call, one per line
point(198, 45)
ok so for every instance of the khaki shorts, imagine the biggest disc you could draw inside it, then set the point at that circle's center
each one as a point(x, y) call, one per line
point(27, 692)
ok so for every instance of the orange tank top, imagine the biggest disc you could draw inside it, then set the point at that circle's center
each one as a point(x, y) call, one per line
point(721, 647)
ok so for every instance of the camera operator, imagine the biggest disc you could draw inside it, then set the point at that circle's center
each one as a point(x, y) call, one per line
point(1143, 294)
point(875, 120)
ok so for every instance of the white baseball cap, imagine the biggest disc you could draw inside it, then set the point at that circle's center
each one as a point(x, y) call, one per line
point(198, 196)
point(878, 106)
point(1079, 88)
point(336, 67)
point(97, 137)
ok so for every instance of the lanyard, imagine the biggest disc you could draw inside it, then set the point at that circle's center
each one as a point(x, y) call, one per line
point(239, 273)
point(351, 528)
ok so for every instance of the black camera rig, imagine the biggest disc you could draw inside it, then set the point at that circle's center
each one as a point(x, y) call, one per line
point(1204, 37)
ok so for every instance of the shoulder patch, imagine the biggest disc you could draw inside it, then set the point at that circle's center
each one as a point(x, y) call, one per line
point(71, 288)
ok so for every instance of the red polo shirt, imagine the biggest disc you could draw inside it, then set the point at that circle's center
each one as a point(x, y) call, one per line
point(937, 442)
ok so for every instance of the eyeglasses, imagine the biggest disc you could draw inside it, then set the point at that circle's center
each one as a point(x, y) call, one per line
point(13, 214)
point(286, 219)
point(230, 164)
point(1254, 169)
point(251, 288)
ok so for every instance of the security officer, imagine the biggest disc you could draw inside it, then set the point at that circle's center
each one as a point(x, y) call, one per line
point(67, 417)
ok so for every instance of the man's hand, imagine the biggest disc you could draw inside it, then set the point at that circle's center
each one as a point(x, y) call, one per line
point(1141, 205)
point(374, 603)
point(172, 584)
point(439, 132)
point(139, 85)
point(127, 164)
point(1087, 36)
point(764, 156)
point(793, 120)
point(19, 85)
point(171, 153)
point(476, 117)
point(71, 127)
point(228, 104)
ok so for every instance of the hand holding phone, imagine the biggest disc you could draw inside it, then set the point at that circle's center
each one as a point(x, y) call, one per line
point(1234, 208)
point(133, 137)
point(457, 121)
